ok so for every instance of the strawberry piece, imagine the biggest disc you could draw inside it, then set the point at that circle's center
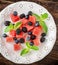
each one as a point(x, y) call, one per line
point(37, 30)
point(32, 19)
point(13, 33)
point(9, 39)
point(17, 47)
point(14, 18)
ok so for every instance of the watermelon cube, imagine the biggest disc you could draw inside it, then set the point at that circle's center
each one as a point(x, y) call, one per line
point(9, 39)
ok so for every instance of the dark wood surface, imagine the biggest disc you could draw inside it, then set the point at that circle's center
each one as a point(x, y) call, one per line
point(52, 7)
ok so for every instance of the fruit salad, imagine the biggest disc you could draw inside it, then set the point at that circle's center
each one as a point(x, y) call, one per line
point(29, 29)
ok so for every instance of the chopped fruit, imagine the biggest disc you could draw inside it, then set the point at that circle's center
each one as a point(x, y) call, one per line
point(9, 39)
point(17, 47)
point(7, 23)
point(30, 13)
point(24, 21)
point(37, 23)
point(43, 34)
point(37, 30)
point(22, 15)
point(14, 18)
point(29, 33)
point(36, 42)
point(33, 37)
point(29, 27)
point(21, 40)
point(18, 31)
point(30, 23)
point(42, 39)
point(32, 19)
point(31, 43)
point(17, 41)
point(12, 33)
point(15, 13)
point(27, 16)
point(24, 29)
point(4, 35)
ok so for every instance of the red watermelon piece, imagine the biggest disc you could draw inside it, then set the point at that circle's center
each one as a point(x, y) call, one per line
point(17, 47)
point(12, 33)
point(9, 39)
point(37, 30)
point(14, 18)
point(36, 42)
point(32, 19)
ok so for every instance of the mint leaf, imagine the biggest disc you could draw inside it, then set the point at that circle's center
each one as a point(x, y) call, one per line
point(24, 51)
point(31, 47)
point(17, 25)
point(44, 26)
point(44, 16)
point(8, 28)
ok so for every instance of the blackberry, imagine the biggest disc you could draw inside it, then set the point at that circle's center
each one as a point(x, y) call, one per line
point(29, 32)
point(17, 41)
point(30, 13)
point(42, 39)
point(22, 15)
point(4, 35)
point(27, 16)
point(7, 23)
point(33, 37)
point(18, 31)
point(36, 24)
point(31, 43)
point(15, 38)
point(21, 40)
point(43, 34)
point(15, 13)
point(30, 23)
point(24, 29)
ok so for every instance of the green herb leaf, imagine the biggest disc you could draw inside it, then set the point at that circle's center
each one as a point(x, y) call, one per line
point(24, 51)
point(31, 47)
point(44, 16)
point(17, 25)
point(8, 28)
point(44, 26)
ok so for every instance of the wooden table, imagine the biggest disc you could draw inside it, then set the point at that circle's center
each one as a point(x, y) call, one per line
point(52, 7)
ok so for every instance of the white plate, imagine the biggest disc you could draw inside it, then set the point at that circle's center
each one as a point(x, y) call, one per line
point(44, 49)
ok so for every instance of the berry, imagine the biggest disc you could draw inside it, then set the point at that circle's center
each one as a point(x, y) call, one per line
point(30, 13)
point(16, 41)
point(22, 15)
point(14, 38)
point(24, 29)
point(33, 37)
point(28, 38)
point(29, 32)
point(21, 40)
point(18, 31)
point(36, 24)
point(7, 23)
point(27, 16)
point(42, 39)
point(43, 34)
point(15, 13)
point(4, 35)
point(30, 23)
point(31, 43)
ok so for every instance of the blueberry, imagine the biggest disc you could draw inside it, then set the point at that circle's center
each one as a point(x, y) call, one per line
point(7, 23)
point(27, 16)
point(17, 41)
point(21, 40)
point(15, 38)
point(4, 35)
point(30, 13)
point(29, 32)
point(31, 43)
point(37, 23)
point(33, 37)
point(22, 15)
point(15, 13)
point(28, 38)
point(42, 39)
point(24, 29)
point(30, 23)
point(43, 34)
point(18, 31)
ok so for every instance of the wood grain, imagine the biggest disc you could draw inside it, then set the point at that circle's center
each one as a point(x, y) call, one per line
point(52, 7)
